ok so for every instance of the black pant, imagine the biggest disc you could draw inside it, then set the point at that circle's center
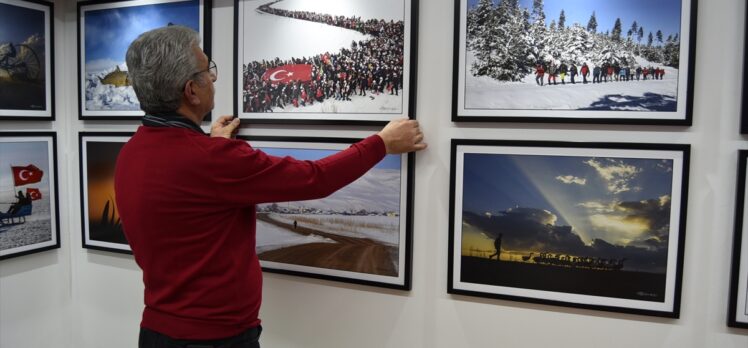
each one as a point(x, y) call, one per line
point(246, 339)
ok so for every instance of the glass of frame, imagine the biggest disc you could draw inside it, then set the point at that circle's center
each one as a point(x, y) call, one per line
point(105, 31)
point(557, 61)
point(325, 61)
point(26, 60)
point(588, 225)
point(738, 311)
point(360, 234)
point(102, 228)
point(29, 214)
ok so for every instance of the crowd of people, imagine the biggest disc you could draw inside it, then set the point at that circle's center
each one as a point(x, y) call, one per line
point(599, 74)
point(372, 66)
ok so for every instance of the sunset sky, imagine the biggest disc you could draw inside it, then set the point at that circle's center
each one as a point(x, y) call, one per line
point(594, 206)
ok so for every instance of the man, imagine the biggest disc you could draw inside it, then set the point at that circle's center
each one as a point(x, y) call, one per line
point(187, 200)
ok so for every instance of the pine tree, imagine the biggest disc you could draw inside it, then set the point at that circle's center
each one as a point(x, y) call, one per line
point(592, 24)
point(659, 36)
point(561, 20)
point(650, 39)
point(552, 27)
point(640, 35)
point(479, 18)
point(634, 27)
point(616, 34)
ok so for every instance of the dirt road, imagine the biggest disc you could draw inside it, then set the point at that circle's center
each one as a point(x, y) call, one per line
point(361, 255)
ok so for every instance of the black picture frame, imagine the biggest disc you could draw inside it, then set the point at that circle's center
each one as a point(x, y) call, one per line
point(115, 99)
point(28, 77)
point(744, 103)
point(481, 92)
point(737, 313)
point(390, 230)
point(33, 167)
point(98, 155)
point(377, 110)
point(574, 206)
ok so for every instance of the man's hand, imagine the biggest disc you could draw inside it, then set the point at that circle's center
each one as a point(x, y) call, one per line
point(401, 136)
point(225, 127)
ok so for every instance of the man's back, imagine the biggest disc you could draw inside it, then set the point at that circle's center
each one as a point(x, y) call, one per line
point(195, 246)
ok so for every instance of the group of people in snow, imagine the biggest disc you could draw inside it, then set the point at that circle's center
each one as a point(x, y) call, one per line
point(370, 66)
point(599, 73)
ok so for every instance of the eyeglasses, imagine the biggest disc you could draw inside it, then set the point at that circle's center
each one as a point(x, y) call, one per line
point(212, 69)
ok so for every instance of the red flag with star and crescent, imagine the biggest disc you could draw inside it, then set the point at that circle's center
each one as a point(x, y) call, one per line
point(287, 73)
point(34, 193)
point(26, 175)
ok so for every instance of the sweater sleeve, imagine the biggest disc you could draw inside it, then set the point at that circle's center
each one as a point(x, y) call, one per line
point(254, 177)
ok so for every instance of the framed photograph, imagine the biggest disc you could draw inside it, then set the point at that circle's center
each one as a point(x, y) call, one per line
point(601, 61)
point(105, 31)
point(26, 60)
point(738, 311)
point(360, 234)
point(325, 61)
point(587, 225)
point(29, 213)
point(102, 228)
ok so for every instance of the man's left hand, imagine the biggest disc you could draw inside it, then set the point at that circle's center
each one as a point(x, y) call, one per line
point(225, 126)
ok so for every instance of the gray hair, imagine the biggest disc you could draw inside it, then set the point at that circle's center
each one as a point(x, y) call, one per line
point(159, 64)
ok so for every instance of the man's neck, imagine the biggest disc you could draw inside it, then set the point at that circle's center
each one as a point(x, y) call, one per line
point(190, 115)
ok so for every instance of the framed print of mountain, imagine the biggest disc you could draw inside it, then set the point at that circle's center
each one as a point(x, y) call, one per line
point(26, 60)
point(587, 225)
point(360, 234)
point(29, 210)
point(325, 61)
point(738, 310)
point(590, 61)
point(105, 31)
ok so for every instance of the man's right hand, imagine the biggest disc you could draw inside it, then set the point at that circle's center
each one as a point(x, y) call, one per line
point(401, 136)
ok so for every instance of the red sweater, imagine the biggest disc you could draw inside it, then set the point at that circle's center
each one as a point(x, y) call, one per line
point(187, 203)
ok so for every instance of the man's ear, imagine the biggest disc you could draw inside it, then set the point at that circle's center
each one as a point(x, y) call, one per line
point(189, 93)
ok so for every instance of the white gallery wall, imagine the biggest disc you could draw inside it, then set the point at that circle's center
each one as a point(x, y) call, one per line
point(75, 297)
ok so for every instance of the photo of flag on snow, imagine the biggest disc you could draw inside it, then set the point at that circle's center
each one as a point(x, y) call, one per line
point(612, 61)
point(28, 193)
point(324, 60)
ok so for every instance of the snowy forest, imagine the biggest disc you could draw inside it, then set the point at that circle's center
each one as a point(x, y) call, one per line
point(508, 41)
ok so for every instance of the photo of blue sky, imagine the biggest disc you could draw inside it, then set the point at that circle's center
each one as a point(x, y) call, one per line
point(593, 206)
point(389, 161)
point(109, 32)
point(19, 23)
point(651, 15)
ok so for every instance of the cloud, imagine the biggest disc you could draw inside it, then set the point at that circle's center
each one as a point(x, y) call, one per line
point(638, 232)
point(615, 173)
point(570, 179)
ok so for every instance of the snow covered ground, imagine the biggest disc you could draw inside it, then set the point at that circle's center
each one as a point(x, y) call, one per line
point(263, 40)
point(271, 237)
point(384, 229)
point(483, 92)
point(100, 96)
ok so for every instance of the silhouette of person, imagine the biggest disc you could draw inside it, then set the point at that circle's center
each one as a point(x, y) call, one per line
point(497, 245)
point(7, 54)
point(295, 224)
point(22, 200)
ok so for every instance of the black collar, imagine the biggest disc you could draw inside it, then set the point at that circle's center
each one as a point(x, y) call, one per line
point(169, 119)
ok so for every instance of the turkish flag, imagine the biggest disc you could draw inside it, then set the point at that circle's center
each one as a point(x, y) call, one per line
point(34, 193)
point(287, 73)
point(26, 175)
